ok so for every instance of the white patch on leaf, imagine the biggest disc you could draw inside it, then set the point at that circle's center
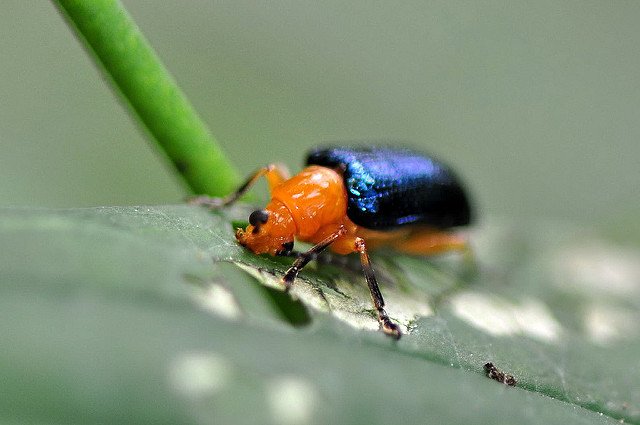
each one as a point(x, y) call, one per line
point(199, 374)
point(351, 303)
point(606, 325)
point(599, 268)
point(300, 289)
point(219, 300)
point(499, 317)
point(359, 320)
point(292, 400)
point(405, 309)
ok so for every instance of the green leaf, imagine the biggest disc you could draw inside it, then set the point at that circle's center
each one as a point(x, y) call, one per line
point(155, 315)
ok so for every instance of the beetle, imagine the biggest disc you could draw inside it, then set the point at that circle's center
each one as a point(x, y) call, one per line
point(356, 199)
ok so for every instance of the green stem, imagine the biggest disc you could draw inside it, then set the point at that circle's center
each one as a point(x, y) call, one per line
point(149, 88)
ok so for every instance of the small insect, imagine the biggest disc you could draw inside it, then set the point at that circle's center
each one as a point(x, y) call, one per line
point(496, 374)
point(356, 199)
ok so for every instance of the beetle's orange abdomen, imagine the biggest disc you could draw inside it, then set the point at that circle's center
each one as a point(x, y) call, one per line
point(315, 197)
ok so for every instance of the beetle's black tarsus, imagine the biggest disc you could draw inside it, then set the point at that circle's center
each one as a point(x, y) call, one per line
point(304, 258)
point(287, 249)
point(388, 327)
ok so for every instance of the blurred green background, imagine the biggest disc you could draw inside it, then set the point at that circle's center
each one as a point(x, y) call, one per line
point(536, 104)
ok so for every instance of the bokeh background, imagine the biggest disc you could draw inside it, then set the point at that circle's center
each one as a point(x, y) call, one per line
point(536, 104)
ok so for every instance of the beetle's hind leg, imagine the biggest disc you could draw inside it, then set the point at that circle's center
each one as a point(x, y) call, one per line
point(274, 173)
point(388, 327)
point(432, 242)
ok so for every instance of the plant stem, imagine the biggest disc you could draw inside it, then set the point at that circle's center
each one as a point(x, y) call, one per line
point(133, 67)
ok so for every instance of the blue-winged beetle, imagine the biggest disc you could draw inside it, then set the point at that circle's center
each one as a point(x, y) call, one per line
point(357, 199)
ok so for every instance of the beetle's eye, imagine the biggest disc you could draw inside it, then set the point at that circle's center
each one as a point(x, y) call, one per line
point(258, 218)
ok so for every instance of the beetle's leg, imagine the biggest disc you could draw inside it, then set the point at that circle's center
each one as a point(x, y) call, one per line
point(431, 241)
point(388, 327)
point(274, 173)
point(304, 258)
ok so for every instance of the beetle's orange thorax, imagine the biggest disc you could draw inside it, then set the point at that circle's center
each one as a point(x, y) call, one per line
point(315, 197)
point(301, 206)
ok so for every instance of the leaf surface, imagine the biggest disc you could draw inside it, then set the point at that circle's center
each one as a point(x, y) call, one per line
point(154, 314)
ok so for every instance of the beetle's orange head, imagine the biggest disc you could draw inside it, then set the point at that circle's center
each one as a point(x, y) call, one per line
point(270, 231)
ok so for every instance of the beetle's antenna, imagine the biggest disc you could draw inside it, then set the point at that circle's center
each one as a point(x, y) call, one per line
point(387, 325)
point(304, 258)
point(215, 203)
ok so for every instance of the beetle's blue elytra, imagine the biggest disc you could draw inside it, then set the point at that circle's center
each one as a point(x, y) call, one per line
point(389, 187)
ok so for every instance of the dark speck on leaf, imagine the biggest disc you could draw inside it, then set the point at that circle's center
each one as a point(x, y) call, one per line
point(497, 375)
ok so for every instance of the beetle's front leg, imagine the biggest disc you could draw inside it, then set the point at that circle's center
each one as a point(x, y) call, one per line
point(304, 258)
point(274, 173)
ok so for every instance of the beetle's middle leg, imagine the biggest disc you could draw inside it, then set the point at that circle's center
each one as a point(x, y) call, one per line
point(274, 173)
point(388, 327)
